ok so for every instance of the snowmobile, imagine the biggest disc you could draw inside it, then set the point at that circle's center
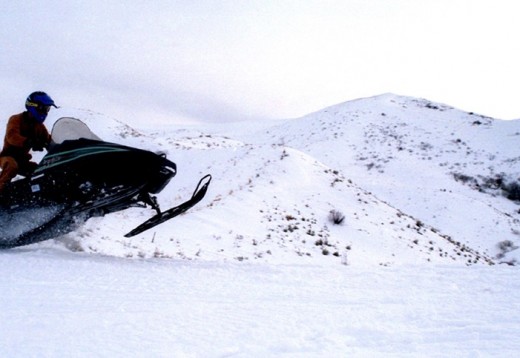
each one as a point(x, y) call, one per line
point(80, 177)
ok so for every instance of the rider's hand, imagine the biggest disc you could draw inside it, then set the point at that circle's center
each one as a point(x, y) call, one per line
point(29, 143)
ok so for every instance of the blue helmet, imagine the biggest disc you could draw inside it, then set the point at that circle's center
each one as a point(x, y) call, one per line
point(38, 104)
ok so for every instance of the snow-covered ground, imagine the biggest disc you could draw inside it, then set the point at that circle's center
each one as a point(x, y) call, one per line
point(61, 304)
point(423, 264)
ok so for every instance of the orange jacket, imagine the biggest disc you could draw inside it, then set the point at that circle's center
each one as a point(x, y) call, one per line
point(22, 134)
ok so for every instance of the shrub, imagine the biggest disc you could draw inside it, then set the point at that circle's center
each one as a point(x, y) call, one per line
point(336, 217)
point(463, 178)
point(506, 246)
point(513, 191)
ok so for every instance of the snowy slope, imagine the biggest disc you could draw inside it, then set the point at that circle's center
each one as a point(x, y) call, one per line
point(408, 152)
point(391, 165)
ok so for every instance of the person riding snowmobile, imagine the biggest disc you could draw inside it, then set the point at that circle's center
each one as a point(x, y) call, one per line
point(25, 131)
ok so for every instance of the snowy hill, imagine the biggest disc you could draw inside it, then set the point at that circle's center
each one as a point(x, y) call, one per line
point(415, 181)
point(260, 269)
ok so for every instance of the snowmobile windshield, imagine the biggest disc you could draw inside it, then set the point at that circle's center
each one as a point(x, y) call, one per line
point(68, 128)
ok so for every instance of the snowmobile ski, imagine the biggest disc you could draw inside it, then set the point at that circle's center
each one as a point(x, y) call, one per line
point(198, 195)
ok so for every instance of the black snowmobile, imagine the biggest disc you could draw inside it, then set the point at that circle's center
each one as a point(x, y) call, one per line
point(80, 177)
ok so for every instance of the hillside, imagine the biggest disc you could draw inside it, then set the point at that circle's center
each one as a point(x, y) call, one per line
point(416, 182)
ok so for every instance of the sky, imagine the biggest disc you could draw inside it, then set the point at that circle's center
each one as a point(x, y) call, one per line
point(221, 61)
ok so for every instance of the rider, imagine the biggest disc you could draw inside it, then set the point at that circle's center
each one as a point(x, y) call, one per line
point(25, 131)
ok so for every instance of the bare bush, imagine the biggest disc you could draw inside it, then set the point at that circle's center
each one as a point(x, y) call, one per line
point(336, 217)
point(513, 190)
point(506, 246)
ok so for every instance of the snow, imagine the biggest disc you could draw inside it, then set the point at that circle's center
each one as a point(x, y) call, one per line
point(424, 263)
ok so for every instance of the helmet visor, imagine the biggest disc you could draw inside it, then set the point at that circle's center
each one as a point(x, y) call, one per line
point(42, 109)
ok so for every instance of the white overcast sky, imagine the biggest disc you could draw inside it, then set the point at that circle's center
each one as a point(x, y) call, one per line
point(228, 60)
